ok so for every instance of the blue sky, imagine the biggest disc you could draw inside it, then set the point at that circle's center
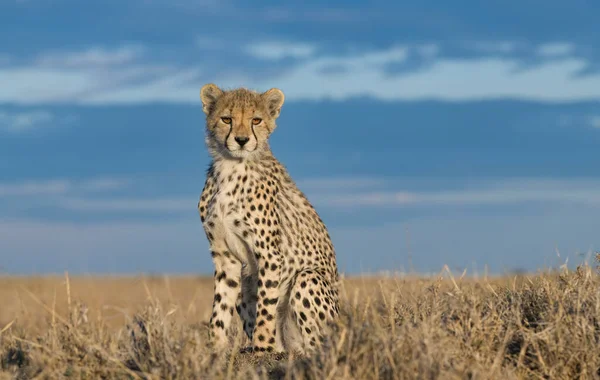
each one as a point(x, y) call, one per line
point(464, 134)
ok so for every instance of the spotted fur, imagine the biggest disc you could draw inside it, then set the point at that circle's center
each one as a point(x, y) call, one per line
point(274, 261)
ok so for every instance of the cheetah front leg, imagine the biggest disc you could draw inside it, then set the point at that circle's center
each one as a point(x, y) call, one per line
point(263, 338)
point(246, 305)
point(227, 269)
point(226, 295)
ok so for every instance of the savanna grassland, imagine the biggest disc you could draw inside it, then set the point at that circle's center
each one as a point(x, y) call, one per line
point(447, 327)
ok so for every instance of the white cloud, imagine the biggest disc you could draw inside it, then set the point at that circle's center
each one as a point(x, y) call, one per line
point(187, 5)
point(95, 56)
point(174, 87)
point(517, 238)
point(82, 196)
point(497, 192)
point(452, 80)
point(428, 50)
point(31, 85)
point(133, 247)
point(29, 188)
point(276, 50)
point(330, 193)
point(577, 120)
point(327, 16)
point(375, 59)
point(103, 184)
point(24, 121)
point(133, 84)
point(556, 49)
point(130, 205)
point(359, 74)
point(503, 47)
point(594, 121)
point(60, 187)
point(340, 183)
point(326, 192)
point(81, 76)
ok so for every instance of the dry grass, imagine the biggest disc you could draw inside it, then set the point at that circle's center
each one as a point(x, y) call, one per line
point(544, 326)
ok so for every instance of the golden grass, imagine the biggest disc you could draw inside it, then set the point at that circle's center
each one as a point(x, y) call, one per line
point(543, 326)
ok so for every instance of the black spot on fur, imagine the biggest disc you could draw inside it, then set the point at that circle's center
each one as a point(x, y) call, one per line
point(271, 301)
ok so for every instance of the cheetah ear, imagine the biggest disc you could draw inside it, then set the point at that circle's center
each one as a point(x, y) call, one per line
point(209, 95)
point(274, 98)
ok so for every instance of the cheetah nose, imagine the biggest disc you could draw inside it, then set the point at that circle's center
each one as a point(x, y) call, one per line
point(242, 140)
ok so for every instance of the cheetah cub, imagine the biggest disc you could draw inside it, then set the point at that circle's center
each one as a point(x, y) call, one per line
point(274, 261)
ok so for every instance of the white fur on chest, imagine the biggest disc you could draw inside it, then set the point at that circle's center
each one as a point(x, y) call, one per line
point(229, 185)
point(225, 210)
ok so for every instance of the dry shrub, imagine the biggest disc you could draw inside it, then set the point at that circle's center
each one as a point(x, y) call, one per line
point(543, 326)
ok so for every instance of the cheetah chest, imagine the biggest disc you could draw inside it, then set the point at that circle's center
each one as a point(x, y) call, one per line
point(225, 212)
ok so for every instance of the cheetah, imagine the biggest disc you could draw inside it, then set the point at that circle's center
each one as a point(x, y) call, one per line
point(275, 264)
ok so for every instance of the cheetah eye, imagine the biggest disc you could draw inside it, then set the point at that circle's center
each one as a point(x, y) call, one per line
point(256, 121)
point(226, 120)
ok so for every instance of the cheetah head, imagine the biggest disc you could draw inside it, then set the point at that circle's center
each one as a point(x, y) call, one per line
point(240, 121)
